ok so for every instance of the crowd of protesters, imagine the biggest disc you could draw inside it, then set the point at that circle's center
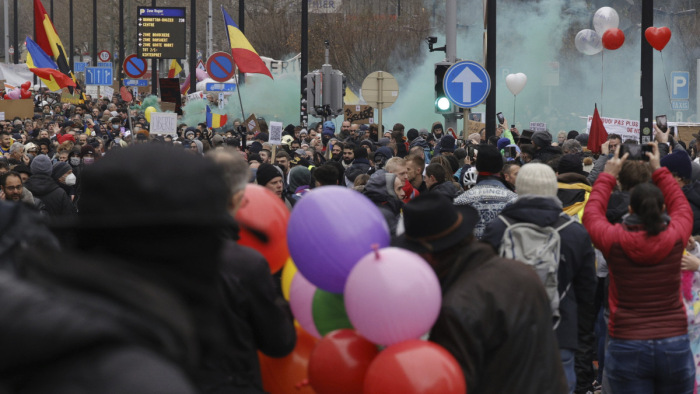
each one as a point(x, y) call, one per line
point(122, 283)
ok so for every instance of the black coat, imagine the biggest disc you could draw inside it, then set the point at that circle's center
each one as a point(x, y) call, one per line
point(497, 322)
point(56, 200)
point(692, 193)
point(547, 153)
point(446, 188)
point(256, 318)
point(81, 325)
point(576, 267)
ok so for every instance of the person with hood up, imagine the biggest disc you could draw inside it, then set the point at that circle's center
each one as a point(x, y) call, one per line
point(385, 190)
point(574, 188)
point(359, 166)
point(327, 133)
point(680, 166)
point(43, 186)
point(437, 131)
point(490, 194)
point(299, 179)
point(381, 156)
point(544, 151)
point(422, 143)
point(538, 204)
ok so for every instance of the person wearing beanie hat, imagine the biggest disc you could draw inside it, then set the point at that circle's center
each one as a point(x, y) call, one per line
point(572, 135)
point(447, 145)
point(328, 128)
point(381, 156)
point(63, 175)
point(582, 139)
point(538, 206)
point(681, 167)
point(502, 143)
point(270, 177)
point(44, 187)
point(490, 194)
point(544, 151)
point(412, 134)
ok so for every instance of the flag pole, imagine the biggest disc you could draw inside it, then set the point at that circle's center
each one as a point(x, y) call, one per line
point(238, 89)
point(238, 85)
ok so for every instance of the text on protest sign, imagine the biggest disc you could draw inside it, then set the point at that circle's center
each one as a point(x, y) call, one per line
point(358, 114)
point(538, 126)
point(276, 133)
point(628, 129)
point(163, 123)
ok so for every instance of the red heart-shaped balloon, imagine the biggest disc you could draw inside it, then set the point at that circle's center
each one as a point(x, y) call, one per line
point(613, 39)
point(658, 37)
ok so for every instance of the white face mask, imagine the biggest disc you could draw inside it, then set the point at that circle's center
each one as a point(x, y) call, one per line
point(70, 180)
point(75, 161)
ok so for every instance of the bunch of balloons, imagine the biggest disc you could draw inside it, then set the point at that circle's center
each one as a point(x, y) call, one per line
point(605, 34)
point(347, 288)
point(21, 93)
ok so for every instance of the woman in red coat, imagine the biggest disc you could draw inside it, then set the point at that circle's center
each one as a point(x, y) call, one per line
point(648, 351)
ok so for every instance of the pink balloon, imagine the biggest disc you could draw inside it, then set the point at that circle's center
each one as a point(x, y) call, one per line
point(391, 296)
point(201, 75)
point(301, 296)
point(13, 94)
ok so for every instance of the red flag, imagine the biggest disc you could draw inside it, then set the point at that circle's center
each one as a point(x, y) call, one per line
point(597, 134)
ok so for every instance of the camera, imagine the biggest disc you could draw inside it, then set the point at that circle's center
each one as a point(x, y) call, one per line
point(431, 40)
point(636, 152)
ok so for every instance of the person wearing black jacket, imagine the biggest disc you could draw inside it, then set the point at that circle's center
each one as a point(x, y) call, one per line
point(495, 317)
point(544, 151)
point(359, 166)
point(42, 185)
point(255, 315)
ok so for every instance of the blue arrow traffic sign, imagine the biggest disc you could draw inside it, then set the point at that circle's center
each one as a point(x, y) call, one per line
point(79, 67)
point(136, 82)
point(98, 76)
point(467, 84)
point(220, 66)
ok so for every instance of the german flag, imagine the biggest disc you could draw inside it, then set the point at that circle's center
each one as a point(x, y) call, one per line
point(214, 121)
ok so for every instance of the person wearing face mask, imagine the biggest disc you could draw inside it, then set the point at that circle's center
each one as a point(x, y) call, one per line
point(43, 186)
point(63, 175)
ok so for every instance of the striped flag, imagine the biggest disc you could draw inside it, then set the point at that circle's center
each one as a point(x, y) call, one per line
point(244, 55)
point(175, 69)
point(214, 121)
point(185, 86)
point(45, 68)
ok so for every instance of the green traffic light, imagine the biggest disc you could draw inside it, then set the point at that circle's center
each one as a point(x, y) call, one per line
point(442, 103)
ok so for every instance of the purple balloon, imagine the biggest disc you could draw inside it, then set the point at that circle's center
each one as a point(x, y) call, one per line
point(329, 230)
point(201, 74)
point(391, 296)
point(301, 296)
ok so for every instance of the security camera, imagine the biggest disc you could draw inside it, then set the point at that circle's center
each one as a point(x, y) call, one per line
point(431, 39)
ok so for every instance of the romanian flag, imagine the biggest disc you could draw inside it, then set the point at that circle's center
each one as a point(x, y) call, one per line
point(174, 69)
point(244, 55)
point(214, 121)
point(45, 68)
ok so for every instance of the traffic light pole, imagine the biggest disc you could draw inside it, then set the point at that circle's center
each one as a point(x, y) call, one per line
point(451, 51)
point(491, 67)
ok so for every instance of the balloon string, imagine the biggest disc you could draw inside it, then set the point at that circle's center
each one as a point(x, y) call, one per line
point(668, 91)
point(514, 97)
point(602, 74)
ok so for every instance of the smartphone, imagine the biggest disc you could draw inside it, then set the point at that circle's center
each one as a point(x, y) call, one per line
point(634, 150)
point(513, 152)
point(647, 148)
point(470, 151)
point(661, 123)
point(500, 117)
point(122, 129)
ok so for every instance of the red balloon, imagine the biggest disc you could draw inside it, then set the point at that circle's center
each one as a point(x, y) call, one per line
point(263, 218)
point(25, 94)
point(26, 85)
point(613, 39)
point(339, 363)
point(658, 37)
point(288, 375)
point(415, 367)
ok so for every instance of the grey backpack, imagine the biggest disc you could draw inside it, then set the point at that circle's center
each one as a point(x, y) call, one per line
point(540, 248)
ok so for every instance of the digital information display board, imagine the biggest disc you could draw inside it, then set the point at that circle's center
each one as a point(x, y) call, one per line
point(161, 33)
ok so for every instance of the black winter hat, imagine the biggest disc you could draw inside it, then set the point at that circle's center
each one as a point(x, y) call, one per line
point(541, 138)
point(412, 134)
point(153, 185)
point(60, 169)
point(571, 163)
point(489, 160)
point(266, 173)
point(447, 144)
point(572, 135)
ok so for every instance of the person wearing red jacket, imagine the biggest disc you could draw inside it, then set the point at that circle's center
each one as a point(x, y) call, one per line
point(648, 351)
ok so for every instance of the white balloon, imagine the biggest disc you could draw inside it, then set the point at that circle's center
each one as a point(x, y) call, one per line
point(516, 82)
point(605, 18)
point(588, 42)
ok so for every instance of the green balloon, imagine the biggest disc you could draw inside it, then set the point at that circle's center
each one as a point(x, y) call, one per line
point(328, 310)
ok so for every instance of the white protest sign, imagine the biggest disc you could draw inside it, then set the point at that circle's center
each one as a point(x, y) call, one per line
point(107, 92)
point(275, 133)
point(538, 126)
point(628, 129)
point(195, 96)
point(163, 123)
point(92, 90)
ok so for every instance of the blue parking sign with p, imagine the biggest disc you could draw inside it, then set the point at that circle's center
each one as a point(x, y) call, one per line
point(680, 88)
